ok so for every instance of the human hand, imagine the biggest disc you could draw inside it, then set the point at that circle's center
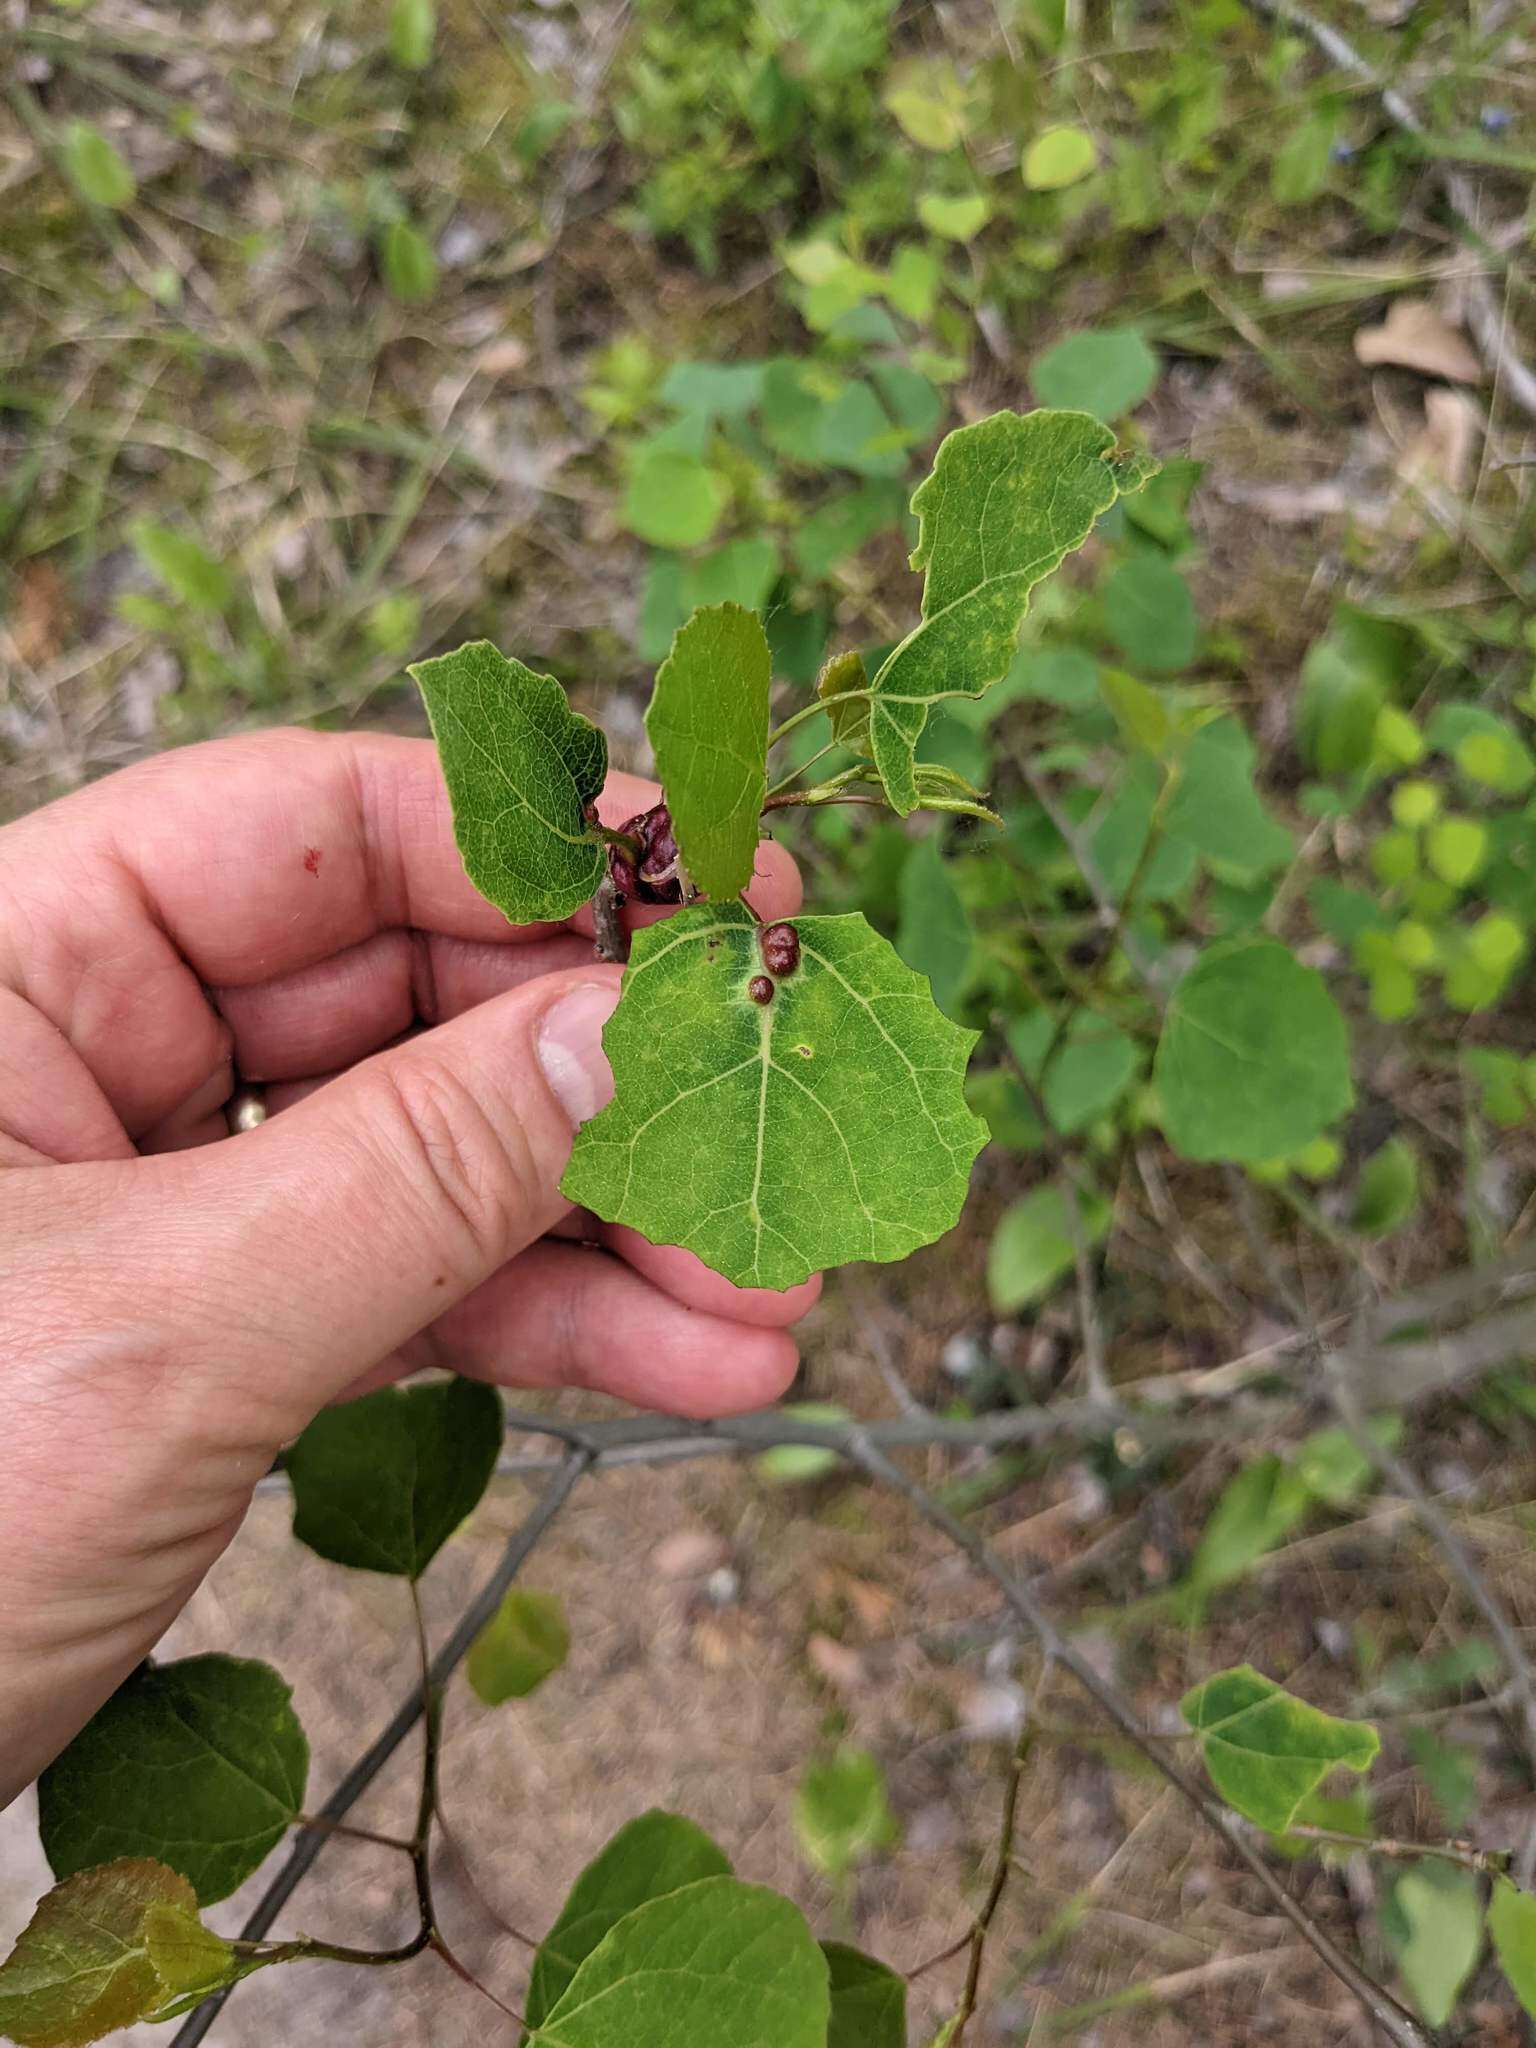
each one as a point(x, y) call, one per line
point(288, 907)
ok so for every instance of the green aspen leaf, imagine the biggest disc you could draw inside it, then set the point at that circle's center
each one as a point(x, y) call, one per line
point(1057, 157)
point(708, 725)
point(1299, 171)
point(934, 933)
point(849, 722)
point(200, 1764)
point(95, 168)
point(796, 1464)
point(1149, 613)
point(1456, 849)
point(521, 768)
point(928, 98)
point(1007, 501)
point(81, 1967)
point(187, 1956)
point(381, 1483)
point(842, 1816)
point(843, 525)
point(869, 2001)
point(412, 33)
point(1253, 1061)
point(407, 264)
point(773, 1139)
point(717, 390)
point(1257, 1509)
point(1264, 1749)
point(1215, 807)
point(1056, 675)
point(1388, 1190)
point(1033, 1248)
point(674, 499)
point(958, 219)
point(183, 565)
point(649, 1858)
point(1138, 710)
point(742, 572)
point(1333, 1467)
point(1089, 1069)
point(1512, 1924)
point(718, 1964)
point(1107, 371)
point(1433, 1921)
point(522, 1644)
point(1341, 701)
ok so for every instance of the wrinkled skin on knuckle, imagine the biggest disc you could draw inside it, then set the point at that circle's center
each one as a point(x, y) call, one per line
point(470, 1173)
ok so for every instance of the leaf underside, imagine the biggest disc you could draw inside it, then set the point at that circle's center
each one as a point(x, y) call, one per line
point(708, 725)
point(1007, 501)
point(776, 1139)
point(200, 1764)
point(82, 1967)
point(382, 1482)
point(521, 767)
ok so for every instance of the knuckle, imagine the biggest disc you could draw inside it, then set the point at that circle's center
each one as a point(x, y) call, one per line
point(475, 1170)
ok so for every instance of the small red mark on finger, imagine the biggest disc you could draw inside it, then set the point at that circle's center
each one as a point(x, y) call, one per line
point(311, 860)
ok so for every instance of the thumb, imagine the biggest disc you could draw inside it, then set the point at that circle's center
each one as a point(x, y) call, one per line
point(378, 1202)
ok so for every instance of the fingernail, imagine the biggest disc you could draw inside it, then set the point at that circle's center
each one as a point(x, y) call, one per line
point(570, 1048)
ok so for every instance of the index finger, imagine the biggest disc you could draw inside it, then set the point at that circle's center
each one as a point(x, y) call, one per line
point(232, 864)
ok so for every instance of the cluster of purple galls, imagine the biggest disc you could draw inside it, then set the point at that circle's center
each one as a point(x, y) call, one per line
point(653, 874)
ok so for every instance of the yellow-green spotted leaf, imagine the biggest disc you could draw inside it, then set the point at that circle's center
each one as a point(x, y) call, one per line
point(776, 1138)
point(718, 1964)
point(708, 725)
point(1007, 501)
point(521, 768)
point(522, 1644)
point(650, 1857)
point(82, 1967)
point(1264, 1749)
point(200, 1764)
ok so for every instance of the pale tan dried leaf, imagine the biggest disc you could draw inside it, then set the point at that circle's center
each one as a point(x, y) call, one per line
point(1416, 336)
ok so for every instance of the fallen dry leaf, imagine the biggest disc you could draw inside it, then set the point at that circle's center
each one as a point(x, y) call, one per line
point(40, 623)
point(1414, 336)
point(1441, 455)
point(689, 1554)
point(836, 1663)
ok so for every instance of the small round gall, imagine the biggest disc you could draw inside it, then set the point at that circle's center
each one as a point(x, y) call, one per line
point(779, 945)
point(760, 989)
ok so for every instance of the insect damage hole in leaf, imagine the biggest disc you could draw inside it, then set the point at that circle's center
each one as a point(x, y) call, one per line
point(1264, 1749)
point(1007, 501)
point(775, 1139)
point(708, 725)
point(200, 1763)
point(521, 768)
